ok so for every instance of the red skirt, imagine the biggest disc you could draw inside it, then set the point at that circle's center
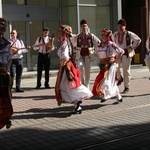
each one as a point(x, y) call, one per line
point(96, 90)
point(73, 75)
point(6, 109)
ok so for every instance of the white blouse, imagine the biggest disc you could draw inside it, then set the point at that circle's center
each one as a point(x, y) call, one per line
point(63, 51)
point(110, 50)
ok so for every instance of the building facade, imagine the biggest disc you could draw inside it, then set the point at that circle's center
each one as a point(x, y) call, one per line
point(137, 17)
point(29, 17)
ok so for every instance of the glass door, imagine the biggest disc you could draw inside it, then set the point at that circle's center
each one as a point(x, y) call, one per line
point(34, 30)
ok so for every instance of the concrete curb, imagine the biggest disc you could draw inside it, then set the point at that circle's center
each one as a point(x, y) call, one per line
point(53, 73)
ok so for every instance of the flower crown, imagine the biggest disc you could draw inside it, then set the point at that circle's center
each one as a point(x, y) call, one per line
point(107, 32)
point(66, 29)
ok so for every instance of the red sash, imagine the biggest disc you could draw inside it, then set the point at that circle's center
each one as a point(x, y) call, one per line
point(84, 52)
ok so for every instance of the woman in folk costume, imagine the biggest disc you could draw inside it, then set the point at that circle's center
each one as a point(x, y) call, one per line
point(68, 86)
point(105, 83)
point(6, 54)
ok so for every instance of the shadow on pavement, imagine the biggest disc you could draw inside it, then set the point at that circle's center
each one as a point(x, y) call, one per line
point(67, 137)
point(60, 112)
point(40, 97)
point(32, 88)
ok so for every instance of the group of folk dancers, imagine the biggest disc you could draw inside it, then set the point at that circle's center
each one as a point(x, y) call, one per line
point(76, 54)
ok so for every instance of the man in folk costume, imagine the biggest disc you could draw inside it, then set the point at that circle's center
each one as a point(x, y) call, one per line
point(147, 58)
point(6, 54)
point(128, 41)
point(85, 44)
point(68, 88)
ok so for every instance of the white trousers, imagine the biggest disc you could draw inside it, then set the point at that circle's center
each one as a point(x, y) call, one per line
point(126, 65)
point(147, 61)
point(84, 65)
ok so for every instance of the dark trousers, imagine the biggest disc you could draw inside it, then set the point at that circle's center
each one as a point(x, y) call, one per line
point(16, 69)
point(43, 63)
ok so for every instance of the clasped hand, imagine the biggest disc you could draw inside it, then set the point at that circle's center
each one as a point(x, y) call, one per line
point(112, 60)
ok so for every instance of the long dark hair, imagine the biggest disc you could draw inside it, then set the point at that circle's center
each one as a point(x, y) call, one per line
point(72, 54)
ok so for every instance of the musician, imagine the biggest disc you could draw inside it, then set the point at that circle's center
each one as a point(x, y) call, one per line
point(18, 49)
point(6, 54)
point(43, 56)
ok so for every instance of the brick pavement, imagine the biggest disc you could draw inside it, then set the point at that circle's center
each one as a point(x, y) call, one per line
point(38, 123)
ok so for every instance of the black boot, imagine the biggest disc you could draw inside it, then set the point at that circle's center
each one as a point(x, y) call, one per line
point(19, 90)
point(120, 81)
point(78, 108)
point(103, 100)
point(118, 101)
point(126, 90)
point(8, 125)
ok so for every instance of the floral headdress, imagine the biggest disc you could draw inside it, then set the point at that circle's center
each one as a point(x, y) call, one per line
point(66, 29)
point(107, 32)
